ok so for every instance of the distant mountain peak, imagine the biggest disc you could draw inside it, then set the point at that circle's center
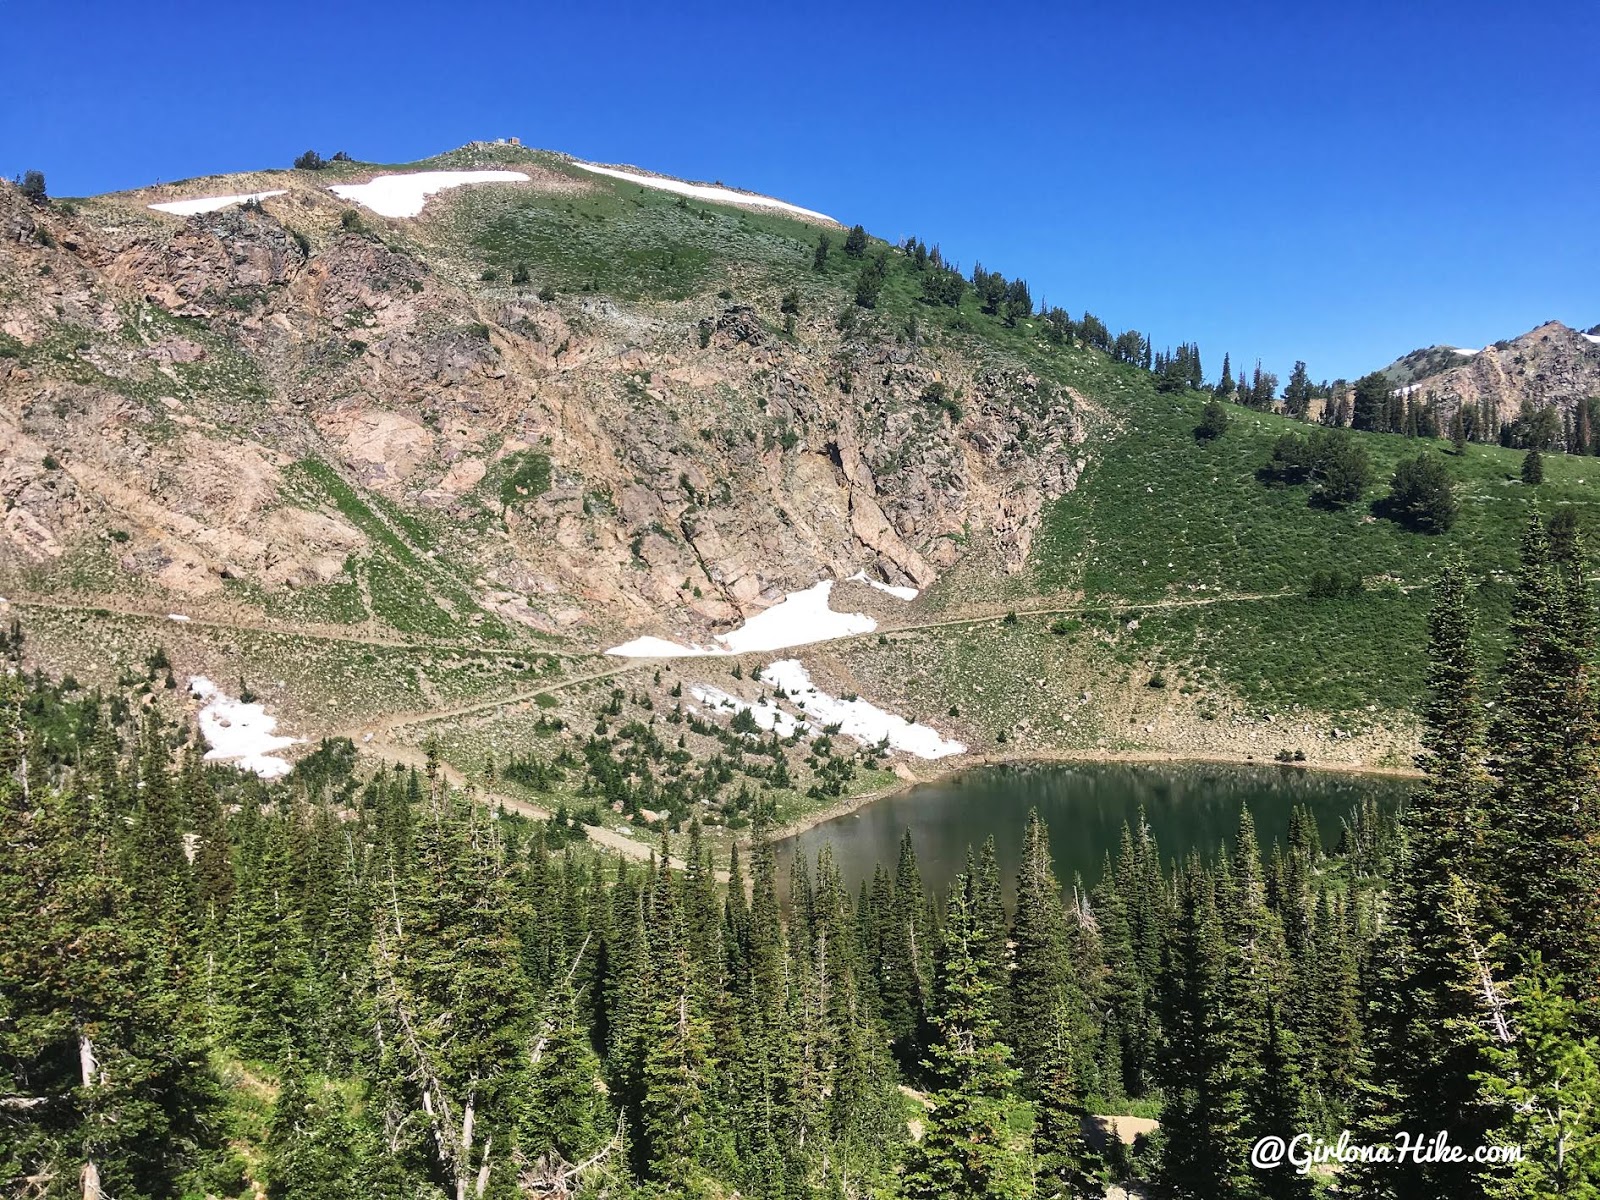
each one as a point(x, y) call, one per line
point(1551, 364)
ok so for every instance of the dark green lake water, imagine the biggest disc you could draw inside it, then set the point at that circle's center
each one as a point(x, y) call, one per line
point(1189, 807)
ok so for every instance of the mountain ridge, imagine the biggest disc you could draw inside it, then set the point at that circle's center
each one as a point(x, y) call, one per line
point(422, 472)
point(1552, 364)
point(383, 327)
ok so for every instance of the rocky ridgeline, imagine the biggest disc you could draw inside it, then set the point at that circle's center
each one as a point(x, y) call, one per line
point(162, 378)
point(1550, 365)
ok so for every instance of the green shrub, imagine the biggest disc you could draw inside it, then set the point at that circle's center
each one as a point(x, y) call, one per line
point(528, 477)
point(1334, 584)
point(939, 395)
point(309, 161)
point(1213, 422)
point(1422, 495)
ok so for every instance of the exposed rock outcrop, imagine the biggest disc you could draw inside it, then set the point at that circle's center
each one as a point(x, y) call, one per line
point(1552, 365)
point(701, 461)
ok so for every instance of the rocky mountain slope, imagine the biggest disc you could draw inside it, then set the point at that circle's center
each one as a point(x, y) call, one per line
point(405, 478)
point(1550, 365)
point(564, 403)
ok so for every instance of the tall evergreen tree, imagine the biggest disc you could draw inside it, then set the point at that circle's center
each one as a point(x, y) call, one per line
point(1428, 1033)
point(1544, 863)
point(1064, 1164)
point(969, 1147)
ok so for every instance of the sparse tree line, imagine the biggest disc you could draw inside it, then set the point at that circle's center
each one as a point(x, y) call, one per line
point(1372, 403)
point(368, 984)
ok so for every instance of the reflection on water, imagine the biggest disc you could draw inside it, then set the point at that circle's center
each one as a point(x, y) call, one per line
point(1189, 806)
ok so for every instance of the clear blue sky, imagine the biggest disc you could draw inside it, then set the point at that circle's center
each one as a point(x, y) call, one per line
point(1335, 182)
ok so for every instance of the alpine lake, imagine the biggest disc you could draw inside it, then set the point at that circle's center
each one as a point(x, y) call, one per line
point(1189, 807)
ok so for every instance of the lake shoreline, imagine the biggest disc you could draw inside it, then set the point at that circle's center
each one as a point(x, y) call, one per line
point(849, 804)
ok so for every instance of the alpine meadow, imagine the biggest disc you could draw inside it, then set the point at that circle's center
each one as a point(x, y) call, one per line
point(437, 597)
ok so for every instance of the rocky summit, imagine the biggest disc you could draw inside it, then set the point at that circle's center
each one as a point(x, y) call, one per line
point(1552, 366)
point(187, 398)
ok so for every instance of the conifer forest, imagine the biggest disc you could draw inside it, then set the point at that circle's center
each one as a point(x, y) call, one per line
point(361, 982)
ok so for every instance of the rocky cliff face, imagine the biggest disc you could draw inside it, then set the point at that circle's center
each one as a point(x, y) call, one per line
point(1550, 365)
point(239, 406)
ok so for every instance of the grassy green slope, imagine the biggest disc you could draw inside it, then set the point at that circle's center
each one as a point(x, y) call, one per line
point(1158, 515)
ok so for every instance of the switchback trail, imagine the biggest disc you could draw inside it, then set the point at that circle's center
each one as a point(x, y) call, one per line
point(628, 665)
point(399, 720)
point(323, 633)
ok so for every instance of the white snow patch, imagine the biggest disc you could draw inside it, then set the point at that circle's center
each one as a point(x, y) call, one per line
point(1468, 353)
point(654, 647)
point(178, 617)
point(1593, 337)
point(866, 723)
point(799, 619)
point(705, 191)
point(240, 733)
point(205, 204)
point(404, 195)
point(899, 593)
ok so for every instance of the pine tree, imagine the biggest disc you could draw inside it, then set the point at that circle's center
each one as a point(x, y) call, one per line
point(1064, 1164)
point(101, 1061)
point(1370, 408)
point(450, 996)
point(678, 1075)
point(968, 1148)
point(1224, 388)
point(567, 1118)
point(1213, 422)
point(1297, 393)
point(902, 963)
point(310, 1144)
point(1277, 1102)
point(1532, 467)
point(1548, 1079)
point(1249, 1027)
point(1042, 991)
point(992, 930)
point(1544, 857)
point(1427, 1038)
point(1202, 1113)
point(819, 260)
